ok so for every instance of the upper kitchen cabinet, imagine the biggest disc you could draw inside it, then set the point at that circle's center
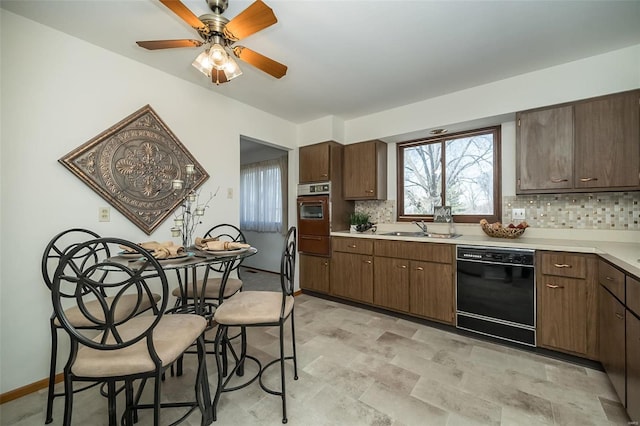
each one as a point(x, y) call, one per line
point(607, 149)
point(585, 146)
point(365, 171)
point(320, 162)
point(545, 149)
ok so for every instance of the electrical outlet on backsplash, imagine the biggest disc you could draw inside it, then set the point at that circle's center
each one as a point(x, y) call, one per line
point(607, 211)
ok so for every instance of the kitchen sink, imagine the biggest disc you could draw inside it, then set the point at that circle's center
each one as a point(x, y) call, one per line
point(419, 234)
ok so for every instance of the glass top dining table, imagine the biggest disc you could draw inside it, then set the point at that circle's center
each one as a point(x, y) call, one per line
point(186, 266)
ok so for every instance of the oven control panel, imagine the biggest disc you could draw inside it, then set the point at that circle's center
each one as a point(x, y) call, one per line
point(322, 188)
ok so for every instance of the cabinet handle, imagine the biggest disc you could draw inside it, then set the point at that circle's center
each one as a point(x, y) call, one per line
point(324, 175)
point(561, 265)
point(402, 266)
point(554, 286)
point(370, 191)
point(558, 180)
point(619, 316)
point(419, 268)
point(352, 246)
point(325, 264)
point(588, 179)
point(608, 278)
point(367, 261)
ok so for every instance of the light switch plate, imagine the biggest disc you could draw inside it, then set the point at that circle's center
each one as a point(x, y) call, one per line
point(517, 214)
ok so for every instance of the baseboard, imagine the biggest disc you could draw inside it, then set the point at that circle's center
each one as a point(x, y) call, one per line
point(28, 389)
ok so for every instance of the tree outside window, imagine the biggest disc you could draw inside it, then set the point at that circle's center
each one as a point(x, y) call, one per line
point(460, 170)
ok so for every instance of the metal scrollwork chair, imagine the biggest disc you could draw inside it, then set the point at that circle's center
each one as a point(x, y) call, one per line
point(128, 346)
point(223, 232)
point(260, 309)
point(59, 245)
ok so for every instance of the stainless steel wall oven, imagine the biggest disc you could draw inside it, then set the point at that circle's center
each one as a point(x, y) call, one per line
point(495, 292)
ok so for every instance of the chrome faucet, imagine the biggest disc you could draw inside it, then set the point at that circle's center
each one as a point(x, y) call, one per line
point(421, 225)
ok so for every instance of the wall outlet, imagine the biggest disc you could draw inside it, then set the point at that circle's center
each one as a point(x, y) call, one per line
point(517, 214)
point(230, 193)
point(104, 214)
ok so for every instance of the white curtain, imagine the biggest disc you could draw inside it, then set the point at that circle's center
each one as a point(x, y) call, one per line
point(263, 189)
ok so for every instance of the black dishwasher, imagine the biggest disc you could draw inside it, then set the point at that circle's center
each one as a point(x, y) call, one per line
point(495, 292)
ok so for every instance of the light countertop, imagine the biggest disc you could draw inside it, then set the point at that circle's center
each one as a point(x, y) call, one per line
point(623, 251)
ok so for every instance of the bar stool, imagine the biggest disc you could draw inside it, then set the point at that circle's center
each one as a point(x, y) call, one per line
point(259, 309)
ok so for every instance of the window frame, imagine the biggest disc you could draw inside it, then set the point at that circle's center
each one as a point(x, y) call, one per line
point(442, 139)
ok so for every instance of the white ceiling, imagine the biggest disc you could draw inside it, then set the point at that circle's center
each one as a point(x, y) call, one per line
point(352, 58)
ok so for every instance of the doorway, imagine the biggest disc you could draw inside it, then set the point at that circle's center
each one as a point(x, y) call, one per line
point(263, 201)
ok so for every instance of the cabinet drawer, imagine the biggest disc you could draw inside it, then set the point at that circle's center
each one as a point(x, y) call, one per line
point(353, 245)
point(633, 295)
point(564, 265)
point(429, 252)
point(611, 278)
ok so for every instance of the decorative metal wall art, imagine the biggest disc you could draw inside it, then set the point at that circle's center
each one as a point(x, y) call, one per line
point(132, 164)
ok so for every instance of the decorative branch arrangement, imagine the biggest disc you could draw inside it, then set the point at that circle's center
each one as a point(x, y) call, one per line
point(187, 218)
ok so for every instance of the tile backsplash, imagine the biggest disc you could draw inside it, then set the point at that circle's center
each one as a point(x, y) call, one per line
point(604, 210)
point(610, 210)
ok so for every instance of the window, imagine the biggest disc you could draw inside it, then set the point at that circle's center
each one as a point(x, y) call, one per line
point(460, 170)
point(263, 189)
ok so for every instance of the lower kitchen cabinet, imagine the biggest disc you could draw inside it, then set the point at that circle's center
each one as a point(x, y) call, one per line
point(633, 366)
point(391, 283)
point(432, 291)
point(352, 276)
point(415, 277)
point(314, 273)
point(633, 347)
point(352, 269)
point(567, 303)
point(612, 340)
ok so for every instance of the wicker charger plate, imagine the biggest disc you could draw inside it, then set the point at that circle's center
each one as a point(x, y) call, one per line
point(501, 232)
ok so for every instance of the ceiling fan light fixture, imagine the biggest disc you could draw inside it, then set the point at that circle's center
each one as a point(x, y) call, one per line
point(203, 64)
point(218, 56)
point(231, 69)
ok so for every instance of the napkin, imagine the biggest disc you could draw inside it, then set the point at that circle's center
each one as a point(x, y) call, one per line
point(163, 250)
point(215, 244)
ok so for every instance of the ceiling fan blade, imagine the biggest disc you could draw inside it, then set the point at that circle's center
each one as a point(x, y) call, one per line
point(254, 18)
point(168, 44)
point(261, 62)
point(186, 15)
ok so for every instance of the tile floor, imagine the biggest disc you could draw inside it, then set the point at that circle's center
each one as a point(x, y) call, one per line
point(358, 367)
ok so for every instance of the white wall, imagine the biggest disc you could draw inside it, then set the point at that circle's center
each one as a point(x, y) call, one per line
point(55, 101)
point(615, 71)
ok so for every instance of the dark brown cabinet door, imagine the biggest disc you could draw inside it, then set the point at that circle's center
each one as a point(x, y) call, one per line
point(314, 273)
point(633, 367)
point(612, 340)
point(314, 163)
point(391, 283)
point(607, 142)
point(545, 149)
point(365, 171)
point(432, 290)
point(352, 276)
point(562, 314)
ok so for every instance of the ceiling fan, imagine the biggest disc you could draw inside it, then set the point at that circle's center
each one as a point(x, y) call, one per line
point(220, 34)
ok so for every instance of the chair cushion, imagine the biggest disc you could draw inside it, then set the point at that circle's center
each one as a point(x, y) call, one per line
point(253, 308)
point(171, 337)
point(126, 305)
point(213, 288)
